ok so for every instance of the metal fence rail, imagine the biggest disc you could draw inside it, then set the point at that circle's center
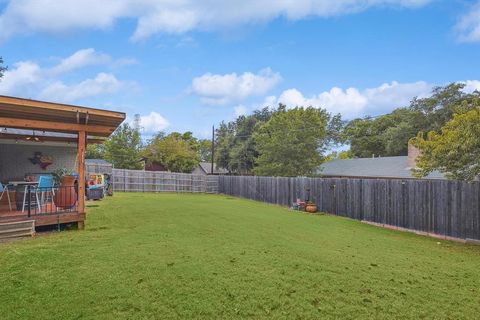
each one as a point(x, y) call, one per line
point(34, 201)
point(449, 208)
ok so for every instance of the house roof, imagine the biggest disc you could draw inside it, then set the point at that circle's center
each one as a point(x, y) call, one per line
point(384, 167)
point(207, 168)
point(23, 113)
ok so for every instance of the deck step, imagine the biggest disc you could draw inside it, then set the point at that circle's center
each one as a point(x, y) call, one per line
point(17, 229)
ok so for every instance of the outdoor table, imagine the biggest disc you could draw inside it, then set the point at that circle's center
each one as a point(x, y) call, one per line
point(21, 188)
point(22, 183)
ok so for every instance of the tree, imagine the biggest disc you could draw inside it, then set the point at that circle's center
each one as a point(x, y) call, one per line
point(2, 68)
point(235, 146)
point(177, 152)
point(388, 135)
point(205, 150)
point(225, 136)
point(243, 152)
point(455, 151)
point(341, 155)
point(95, 151)
point(292, 141)
point(123, 148)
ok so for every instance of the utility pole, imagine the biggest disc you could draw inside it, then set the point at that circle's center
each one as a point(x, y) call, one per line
point(213, 148)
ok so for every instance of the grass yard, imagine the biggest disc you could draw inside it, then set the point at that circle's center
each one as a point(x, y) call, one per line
point(169, 256)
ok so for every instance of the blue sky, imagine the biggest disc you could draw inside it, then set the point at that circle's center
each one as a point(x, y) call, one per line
point(189, 65)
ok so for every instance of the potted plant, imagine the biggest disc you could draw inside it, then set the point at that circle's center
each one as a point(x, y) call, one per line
point(311, 207)
point(65, 197)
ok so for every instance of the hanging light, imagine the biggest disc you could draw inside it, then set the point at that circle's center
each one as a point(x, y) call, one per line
point(33, 138)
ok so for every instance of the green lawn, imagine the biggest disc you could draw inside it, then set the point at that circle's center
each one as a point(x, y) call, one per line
point(160, 256)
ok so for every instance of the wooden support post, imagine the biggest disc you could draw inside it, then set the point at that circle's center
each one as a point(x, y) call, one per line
point(82, 137)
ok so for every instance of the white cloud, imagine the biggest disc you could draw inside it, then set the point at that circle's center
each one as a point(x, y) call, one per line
point(21, 79)
point(353, 102)
point(336, 100)
point(395, 95)
point(152, 123)
point(240, 110)
point(103, 83)
point(52, 16)
point(29, 79)
point(471, 86)
point(168, 16)
point(122, 62)
point(222, 89)
point(468, 28)
point(81, 58)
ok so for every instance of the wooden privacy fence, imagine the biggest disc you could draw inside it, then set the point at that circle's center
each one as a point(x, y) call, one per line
point(158, 181)
point(91, 168)
point(449, 208)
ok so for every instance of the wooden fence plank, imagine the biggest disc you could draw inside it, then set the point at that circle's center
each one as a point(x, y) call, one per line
point(448, 208)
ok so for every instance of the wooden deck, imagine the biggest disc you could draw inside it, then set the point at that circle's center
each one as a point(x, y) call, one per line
point(42, 219)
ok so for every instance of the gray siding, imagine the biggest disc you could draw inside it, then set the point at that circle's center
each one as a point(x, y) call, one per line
point(15, 163)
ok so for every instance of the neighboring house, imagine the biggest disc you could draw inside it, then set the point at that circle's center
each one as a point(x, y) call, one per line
point(206, 168)
point(399, 167)
point(154, 166)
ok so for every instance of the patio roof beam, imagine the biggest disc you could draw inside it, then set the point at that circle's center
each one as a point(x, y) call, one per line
point(55, 126)
point(55, 107)
point(90, 140)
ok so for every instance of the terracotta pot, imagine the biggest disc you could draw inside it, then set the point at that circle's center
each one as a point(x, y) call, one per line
point(65, 197)
point(312, 208)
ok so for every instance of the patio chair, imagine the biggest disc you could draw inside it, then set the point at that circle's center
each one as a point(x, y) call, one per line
point(45, 185)
point(4, 190)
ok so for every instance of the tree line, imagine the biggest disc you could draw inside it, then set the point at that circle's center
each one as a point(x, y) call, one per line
point(280, 141)
point(176, 152)
point(445, 126)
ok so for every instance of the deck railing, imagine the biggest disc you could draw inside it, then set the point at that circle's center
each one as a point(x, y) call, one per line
point(34, 201)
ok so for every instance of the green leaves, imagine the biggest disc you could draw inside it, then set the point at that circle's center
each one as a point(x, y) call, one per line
point(454, 151)
point(123, 148)
point(95, 151)
point(177, 152)
point(291, 143)
point(388, 135)
point(277, 142)
point(2, 68)
point(235, 148)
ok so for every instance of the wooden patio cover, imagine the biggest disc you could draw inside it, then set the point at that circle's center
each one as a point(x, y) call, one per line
point(29, 114)
point(40, 115)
